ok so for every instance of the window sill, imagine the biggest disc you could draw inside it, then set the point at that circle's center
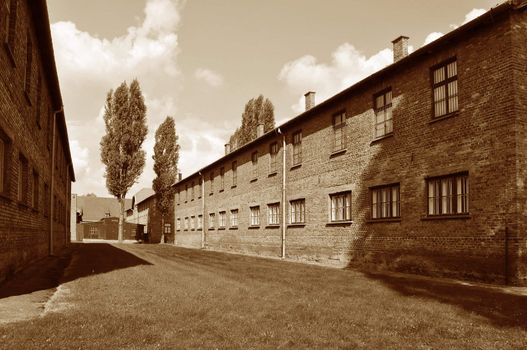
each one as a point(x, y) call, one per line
point(296, 166)
point(373, 221)
point(254, 227)
point(297, 224)
point(274, 173)
point(447, 217)
point(273, 226)
point(443, 117)
point(233, 228)
point(381, 138)
point(253, 180)
point(221, 228)
point(10, 54)
point(339, 223)
point(234, 186)
point(338, 153)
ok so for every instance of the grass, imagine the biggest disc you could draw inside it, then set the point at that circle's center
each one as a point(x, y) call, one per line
point(152, 296)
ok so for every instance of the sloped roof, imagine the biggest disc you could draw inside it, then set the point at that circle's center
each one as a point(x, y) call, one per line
point(96, 208)
point(141, 195)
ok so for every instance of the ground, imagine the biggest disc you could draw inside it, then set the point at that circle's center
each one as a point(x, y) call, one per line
point(133, 296)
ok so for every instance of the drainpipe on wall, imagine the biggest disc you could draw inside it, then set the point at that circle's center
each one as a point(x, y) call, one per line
point(202, 179)
point(52, 180)
point(283, 191)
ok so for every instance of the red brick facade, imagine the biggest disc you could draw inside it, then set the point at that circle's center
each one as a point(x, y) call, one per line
point(36, 167)
point(484, 140)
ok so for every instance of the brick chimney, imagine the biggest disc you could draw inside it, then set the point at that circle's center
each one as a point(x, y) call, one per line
point(310, 100)
point(400, 48)
point(259, 130)
point(227, 148)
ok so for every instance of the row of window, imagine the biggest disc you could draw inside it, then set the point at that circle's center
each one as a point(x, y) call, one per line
point(447, 195)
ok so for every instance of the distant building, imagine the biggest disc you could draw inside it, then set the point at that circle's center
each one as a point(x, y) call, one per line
point(420, 167)
point(108, 228)
point(36, 170)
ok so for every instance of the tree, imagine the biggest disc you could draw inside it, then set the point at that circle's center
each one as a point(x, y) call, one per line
point(258, 110)
point(121, 153)
point(166, 156)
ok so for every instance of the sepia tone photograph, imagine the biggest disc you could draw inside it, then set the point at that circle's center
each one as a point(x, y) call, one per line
point(281, 174)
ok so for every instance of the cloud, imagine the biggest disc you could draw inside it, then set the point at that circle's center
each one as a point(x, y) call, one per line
point(210, 77)
point(90, 66)
point(431, 37)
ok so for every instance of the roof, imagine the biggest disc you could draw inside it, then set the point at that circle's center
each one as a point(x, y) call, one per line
point(40, 15)
point(96, 208)
point(486, 18)
point(142, 195)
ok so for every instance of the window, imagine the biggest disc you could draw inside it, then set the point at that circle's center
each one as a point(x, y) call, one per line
point(211, 182)
point(444, 85)
point(341, 206)
point(22, 179)
point(385, 202)
point(234, 173)
point(255, 216)
point(448, 195)
point(186, 223)
point(254, 160)
point(234, 218)
point(298, 208)
point(383, 114)
point(192, 191)
point(167, 228)
point(192, 222)
point(273, 153)
point(273, 214)
point(199, 189)
point(11, 17)
point(297, 148)
point(222, 179)
point(29, 61)
point(200, 222)
point(35, 190)
point(212, 219)
point(178, 196)
point(223, 219)
point(339, 132)
point(94, 232)
point(186, 193)
point(178, 224)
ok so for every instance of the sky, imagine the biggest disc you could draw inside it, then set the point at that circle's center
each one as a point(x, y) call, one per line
point(200, 61)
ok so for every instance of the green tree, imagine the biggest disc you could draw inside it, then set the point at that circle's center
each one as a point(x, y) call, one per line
point(121, 153)
point(258, 110)
point(166, 156)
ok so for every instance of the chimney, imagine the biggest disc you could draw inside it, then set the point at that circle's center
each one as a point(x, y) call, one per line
point(310, 100)
point(179, 176)
point(259, 130)
point(227, 148)
point(400, 48)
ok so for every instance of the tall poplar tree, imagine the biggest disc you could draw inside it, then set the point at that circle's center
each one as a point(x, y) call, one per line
point(166, 156)
point(121, 153)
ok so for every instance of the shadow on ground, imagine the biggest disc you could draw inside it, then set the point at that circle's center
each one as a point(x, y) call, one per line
point(499, 307)
point(80, 259)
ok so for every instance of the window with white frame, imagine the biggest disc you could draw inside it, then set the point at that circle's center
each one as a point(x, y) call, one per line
point(273, 154)
point(448, 195)
point(222, 179)
point(297, 148)
point(200, 222)
point(297, 212)
point(222, 219)
point(339, 131)
point(234, 173)
point(273, 214)
point(445, 89)
point(340, 206)
point(234, 218)
point(167, 228)
point(255, 216)
point(254, 160)
point(383, 114)
point(385, 202)
point(212, 220)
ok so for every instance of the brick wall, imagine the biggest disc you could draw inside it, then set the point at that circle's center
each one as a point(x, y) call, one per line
point(26, 126)
point(485, 139)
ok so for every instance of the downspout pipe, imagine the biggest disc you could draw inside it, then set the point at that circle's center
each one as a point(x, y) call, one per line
point(52, 180)
point(203, 226)
point(284, 158)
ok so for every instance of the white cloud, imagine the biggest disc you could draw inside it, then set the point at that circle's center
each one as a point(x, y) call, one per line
point(210, 77)
point(473, 14)
point(431, 37)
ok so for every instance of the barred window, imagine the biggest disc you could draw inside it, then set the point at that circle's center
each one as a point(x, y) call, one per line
point(223, 219)
point(298, 208)
point(273, 214)
point(448, 195)
point(297, 148)
point(254, 160)
point(273, 153)
point(234, 173)
point(383, 114)
point(445, 88)
point(255, 216)
point(234, 218)
point(167, 228)
point(341, 206)
point(222, 179)
point(200, 222)
point(385, 202)
point(212, 220)
point(339, 132)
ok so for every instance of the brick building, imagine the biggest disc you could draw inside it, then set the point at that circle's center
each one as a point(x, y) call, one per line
point(108, 228)
point(420, 167)
point(35, 162)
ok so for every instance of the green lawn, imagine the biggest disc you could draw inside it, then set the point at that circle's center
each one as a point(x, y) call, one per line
point(151, 296)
